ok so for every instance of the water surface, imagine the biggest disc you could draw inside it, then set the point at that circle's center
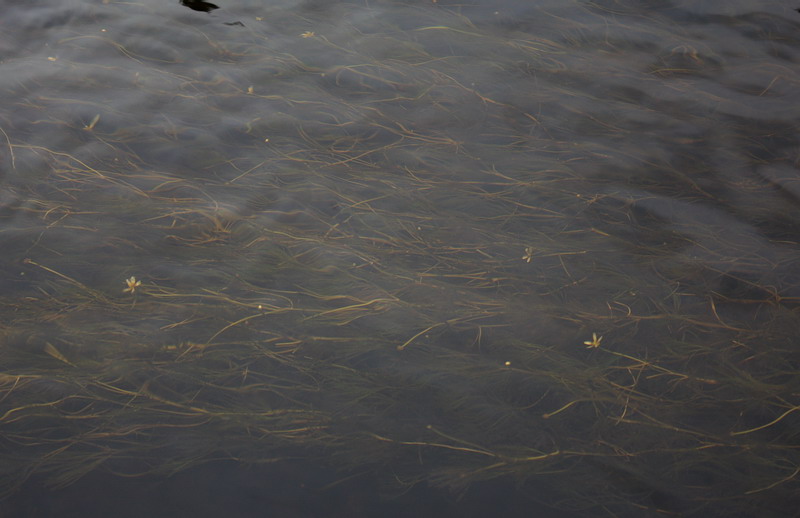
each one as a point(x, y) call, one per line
point(448, 247)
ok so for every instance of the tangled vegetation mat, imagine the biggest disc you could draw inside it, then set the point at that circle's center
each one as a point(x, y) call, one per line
point(423, 242)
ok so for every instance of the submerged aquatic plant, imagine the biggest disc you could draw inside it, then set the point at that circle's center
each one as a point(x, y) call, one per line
point(334, 272)
point(594, 343)
point(132, 284)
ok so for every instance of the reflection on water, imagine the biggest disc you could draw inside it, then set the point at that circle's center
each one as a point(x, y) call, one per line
point(550, 244)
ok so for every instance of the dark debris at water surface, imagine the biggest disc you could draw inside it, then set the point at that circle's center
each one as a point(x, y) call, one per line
point(199, 5)
point(551, 246)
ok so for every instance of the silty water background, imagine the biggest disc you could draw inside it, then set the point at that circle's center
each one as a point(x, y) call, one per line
point(377, 235)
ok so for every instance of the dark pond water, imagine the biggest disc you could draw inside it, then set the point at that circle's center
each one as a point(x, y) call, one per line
point(395, 258)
